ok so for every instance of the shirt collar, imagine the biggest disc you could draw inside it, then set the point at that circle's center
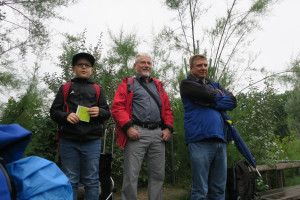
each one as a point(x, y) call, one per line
point(191, 77)
point(140, 77)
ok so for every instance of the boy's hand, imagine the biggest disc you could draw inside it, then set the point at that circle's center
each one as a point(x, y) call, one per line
point(73, 118)
point(94, 111)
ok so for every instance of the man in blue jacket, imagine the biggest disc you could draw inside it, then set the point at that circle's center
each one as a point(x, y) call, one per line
point(205, 131)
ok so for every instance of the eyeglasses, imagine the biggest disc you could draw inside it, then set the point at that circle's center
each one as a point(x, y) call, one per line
point(145, 62)
point(83, 65)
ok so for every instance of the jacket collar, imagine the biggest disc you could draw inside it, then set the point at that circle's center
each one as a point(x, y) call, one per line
point(83, 80)
point(192, 78)
point(140, 77)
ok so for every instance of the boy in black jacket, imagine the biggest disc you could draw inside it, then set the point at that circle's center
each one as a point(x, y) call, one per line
point(80, 143)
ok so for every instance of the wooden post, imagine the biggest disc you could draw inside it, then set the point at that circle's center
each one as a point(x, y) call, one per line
point(268, 179)
point(281, 179)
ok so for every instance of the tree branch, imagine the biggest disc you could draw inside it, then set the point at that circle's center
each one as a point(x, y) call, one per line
point(14, 47)
point(16, 24)
point(223, 31)
point(183, 30)
point(21, 14)
point(250, 85)
point(231, 54)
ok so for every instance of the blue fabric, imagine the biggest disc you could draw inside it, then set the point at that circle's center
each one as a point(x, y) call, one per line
point(36, 178)
point(238, 140)
point(4, 190)
point(209, 170)
point(201, 122)
point(13, 142)
point(81, 160)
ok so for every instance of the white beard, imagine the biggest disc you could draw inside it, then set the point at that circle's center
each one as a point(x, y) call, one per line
point(145, 74)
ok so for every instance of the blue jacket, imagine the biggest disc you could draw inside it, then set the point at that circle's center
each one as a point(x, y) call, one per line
point(202, 106)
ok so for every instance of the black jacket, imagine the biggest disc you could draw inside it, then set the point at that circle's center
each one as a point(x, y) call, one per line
point(81, 92)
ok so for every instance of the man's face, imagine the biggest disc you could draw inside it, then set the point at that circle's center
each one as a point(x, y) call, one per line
point(143, 66)
point(83, 68)
point(199, 68)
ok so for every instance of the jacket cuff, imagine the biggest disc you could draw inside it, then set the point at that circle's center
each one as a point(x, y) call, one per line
point(65, 117)
point(127, 126)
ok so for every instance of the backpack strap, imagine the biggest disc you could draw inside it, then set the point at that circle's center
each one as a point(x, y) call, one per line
point(9, 183)
point(130, 84)
point(98, 90)
point(66, 89)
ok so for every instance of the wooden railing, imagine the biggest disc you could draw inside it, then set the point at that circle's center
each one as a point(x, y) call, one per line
point(280, 167)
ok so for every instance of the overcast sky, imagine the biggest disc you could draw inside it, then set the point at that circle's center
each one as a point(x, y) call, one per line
point(277, 42)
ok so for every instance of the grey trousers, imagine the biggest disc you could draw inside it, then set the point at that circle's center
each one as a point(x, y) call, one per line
point(151, 147)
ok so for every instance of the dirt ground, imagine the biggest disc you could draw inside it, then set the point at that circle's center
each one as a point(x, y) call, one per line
point(169, 193)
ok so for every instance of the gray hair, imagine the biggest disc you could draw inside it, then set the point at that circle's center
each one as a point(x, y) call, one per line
point(137, 57)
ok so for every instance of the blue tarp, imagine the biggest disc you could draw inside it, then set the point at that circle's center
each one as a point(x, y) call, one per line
point(36, 178)
point(13, 142)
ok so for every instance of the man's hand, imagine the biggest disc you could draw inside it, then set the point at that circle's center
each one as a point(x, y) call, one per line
point(221, 93)
point(73, 118)
point(166, 134)
point(94, 111)
point(133, 134)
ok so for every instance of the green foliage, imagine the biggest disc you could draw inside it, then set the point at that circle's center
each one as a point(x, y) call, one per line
point(27, 18)
point(23, 109)
point(261, 184)
point(173, 4)
point(292, 177)
point(23, 32)
point(292, 105)
point(118, 63)
point(43, 143)
point(71, 46)
point(255, 118)
point(224, 40)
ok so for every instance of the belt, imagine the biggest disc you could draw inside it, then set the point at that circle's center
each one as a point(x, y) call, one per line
point(214, 139)
point(148, 126)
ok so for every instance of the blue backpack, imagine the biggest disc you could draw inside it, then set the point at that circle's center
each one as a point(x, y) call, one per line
point(31, 178)
point(13, 142)
point(7, 190)
point(36, 178)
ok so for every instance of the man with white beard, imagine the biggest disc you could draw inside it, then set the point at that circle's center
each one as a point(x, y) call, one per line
point(144, 118)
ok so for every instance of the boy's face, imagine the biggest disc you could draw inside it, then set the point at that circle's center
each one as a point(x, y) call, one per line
point(83, 68)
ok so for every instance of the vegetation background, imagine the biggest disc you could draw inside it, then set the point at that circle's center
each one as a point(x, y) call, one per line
point(266, 118)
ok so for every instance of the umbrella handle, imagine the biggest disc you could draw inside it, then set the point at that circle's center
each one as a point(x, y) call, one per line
point(257, 172)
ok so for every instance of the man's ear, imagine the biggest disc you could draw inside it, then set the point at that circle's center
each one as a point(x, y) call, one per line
point(73, 68)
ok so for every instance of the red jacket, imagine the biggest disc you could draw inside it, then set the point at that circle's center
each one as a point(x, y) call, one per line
point(121, 108)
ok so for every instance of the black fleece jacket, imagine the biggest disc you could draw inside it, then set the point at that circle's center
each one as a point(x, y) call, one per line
point(81, 92)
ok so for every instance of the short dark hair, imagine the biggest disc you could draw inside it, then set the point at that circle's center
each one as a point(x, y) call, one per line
point(84, 55)
point(197, 56)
